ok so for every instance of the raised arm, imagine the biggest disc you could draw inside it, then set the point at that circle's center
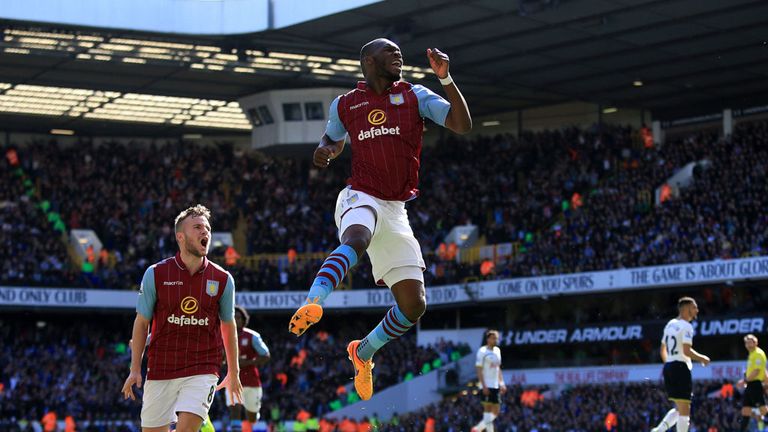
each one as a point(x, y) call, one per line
point(459, 119)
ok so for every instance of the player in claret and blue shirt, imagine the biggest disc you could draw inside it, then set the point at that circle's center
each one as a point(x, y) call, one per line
point(384, 118)
point(190, 303)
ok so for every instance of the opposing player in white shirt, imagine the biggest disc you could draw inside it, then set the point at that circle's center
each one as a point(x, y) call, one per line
point(488, 366)
point(676, 353)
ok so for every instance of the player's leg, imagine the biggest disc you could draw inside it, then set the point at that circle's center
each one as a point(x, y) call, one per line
point(761, 411)
point(235, 417)
point(753, 397)
point(397, 262)
point(684, 418)
point(410, 305)
point(207, 425)
point(746, 416)
point(189, 422)
point(357, 225)
point(495, 408)
point(156, 429)
point(194, 400)
point(158, 405)
point(483, 423)
point(354, 241)
point(252, 401)
point(679, 387)
point(668, 422)
point(235, 413)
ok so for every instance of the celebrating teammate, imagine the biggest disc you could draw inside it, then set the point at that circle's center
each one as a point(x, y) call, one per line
point(384, 118)
point(676, 353)
point(488, 366)
point(190, 302)
point(253, 353)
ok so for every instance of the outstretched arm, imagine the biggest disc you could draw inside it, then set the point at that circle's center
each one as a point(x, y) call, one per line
point(138, 342)
point(232, 381)
point(458, 120)
point(694, 355)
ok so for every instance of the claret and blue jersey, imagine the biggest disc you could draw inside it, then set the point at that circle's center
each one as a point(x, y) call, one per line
point(186, 312)
point(386, 132)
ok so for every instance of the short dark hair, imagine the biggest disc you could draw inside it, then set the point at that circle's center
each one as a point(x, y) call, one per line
point(194, 211)
point(244, 313)
point(364, 52)
point(368, 49)
point(684, 301)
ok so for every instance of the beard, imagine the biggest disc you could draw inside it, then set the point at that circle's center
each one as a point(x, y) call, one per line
point(384, 72)
point(192, 249)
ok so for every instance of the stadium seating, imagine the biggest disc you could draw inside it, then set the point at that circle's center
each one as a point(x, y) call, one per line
point(580, 408)
point(47, 363)
point(32, 252)
point(518, 191)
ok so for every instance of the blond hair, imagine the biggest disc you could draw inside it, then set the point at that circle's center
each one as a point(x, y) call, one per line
point(194, 211)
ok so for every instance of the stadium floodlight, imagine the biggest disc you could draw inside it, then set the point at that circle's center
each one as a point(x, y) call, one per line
point(323, 72)
point(288, 56)
point(62, 132)
point(29, 99)
point(241, 69)
point(99, 48)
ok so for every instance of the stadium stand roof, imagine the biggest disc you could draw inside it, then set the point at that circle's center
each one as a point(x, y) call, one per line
point(674, 58)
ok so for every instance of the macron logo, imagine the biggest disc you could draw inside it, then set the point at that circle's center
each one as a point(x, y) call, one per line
point(353, 107)
point(172, 283)
point(379, 131)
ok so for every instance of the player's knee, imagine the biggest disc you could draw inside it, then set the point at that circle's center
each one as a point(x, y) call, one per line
point(415, 308)
point(359, 241)
point(358, 237)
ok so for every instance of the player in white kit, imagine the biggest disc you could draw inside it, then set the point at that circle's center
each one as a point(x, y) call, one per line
point(488, 366)
point(676, 353)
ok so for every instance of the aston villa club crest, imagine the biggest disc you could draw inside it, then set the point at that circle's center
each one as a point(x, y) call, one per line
point(396, 99)
point(212, 287)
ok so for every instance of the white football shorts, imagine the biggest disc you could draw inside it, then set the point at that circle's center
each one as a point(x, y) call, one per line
point(164, 398)
point(393, 245)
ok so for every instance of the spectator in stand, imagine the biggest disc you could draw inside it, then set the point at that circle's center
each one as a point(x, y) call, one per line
point(578, 408)
point(48, 363)
point(515, 189)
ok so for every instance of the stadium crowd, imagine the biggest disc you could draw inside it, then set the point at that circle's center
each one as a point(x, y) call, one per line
point(580, 408)
point(718, 216)
point(30, 250)
point(572, 200)
point(48, 363)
